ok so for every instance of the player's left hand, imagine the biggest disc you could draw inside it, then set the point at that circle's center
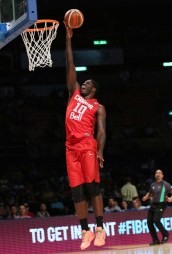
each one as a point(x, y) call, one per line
point(101, 160)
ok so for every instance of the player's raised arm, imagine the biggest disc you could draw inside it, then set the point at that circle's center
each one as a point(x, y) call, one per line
point(71, 77)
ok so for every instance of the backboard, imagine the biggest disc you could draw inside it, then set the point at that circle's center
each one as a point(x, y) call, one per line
point(15, 17)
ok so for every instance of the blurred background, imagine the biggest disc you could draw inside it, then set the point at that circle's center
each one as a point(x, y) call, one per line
point(126, 47)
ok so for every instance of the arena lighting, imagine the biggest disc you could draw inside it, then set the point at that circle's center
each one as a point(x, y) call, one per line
point(167, 64)
point(81, 68)
point(170, 113)
point(100, 42)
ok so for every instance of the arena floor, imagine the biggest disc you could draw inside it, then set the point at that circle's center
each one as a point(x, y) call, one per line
point(132, 249)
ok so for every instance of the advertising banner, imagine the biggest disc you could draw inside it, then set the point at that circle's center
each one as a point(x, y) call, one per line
point(63, 233)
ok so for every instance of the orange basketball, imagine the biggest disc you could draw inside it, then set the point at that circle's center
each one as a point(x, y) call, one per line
point(74, 18)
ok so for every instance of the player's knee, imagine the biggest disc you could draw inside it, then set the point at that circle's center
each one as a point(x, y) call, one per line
point(93, 189)
point(78, 194)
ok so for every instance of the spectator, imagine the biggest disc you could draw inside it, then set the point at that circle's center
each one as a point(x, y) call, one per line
point(137, 204)
point(112, 206)
point(43, 211)
point(128, 192)
point(124, 206)
point(28, 212)
point(13, 212)
point(22, 213)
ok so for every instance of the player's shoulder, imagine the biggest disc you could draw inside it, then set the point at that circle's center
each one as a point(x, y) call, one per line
point(101, 107)
point(166, 182)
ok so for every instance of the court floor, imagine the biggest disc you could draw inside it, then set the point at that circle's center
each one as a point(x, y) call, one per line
point(131, 249)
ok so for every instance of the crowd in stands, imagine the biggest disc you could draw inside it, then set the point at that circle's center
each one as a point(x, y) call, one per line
point(33, 172)
point(52, 197)
point(59, 207)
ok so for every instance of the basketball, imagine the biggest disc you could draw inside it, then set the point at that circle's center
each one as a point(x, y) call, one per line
point(74, 18)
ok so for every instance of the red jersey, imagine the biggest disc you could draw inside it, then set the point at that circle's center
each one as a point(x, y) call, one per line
point(80, 118)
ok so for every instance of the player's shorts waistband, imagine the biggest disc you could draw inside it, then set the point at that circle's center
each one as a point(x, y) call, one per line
point(87, 143)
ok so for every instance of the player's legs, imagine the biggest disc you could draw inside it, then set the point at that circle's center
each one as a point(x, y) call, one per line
point(76, 181)
point(81, 207)
point(83, 167)
point(97, 203)
point(80, 202)
point(90, 168)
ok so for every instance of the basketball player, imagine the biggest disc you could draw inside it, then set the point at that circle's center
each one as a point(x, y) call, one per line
point(84, 152)
point(158, 192)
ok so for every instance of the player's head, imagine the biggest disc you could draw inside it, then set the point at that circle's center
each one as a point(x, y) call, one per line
point(89, 88)
point(159, 175)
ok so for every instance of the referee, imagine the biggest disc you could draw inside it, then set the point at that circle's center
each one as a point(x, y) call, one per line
point(158, 193)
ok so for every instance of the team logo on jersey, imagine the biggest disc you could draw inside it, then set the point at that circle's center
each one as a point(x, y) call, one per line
point(83, 101)
point(81, 106)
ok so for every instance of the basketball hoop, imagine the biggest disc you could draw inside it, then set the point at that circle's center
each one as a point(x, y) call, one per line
point(38, 42)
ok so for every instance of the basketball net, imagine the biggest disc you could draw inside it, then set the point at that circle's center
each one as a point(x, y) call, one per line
point(38, 42)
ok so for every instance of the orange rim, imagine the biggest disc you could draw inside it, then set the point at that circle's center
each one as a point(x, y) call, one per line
point(43, 28)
